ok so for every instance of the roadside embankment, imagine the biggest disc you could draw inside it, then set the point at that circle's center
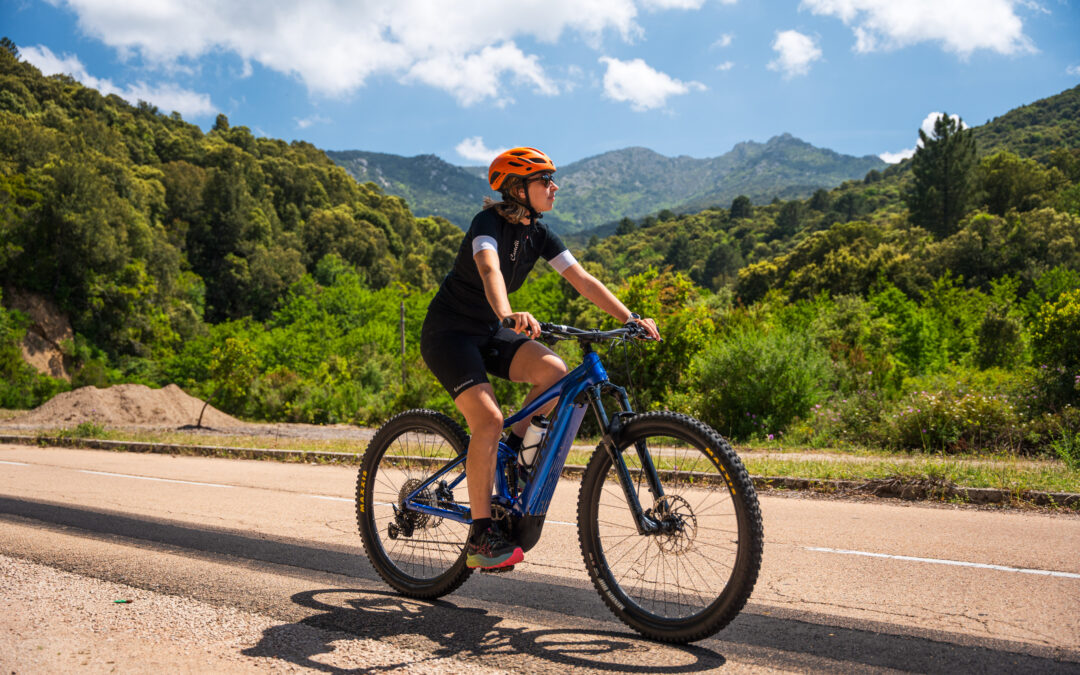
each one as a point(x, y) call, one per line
point(949, 480)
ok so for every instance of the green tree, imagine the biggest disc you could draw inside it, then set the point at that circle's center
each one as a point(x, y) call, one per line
point(789, 219)
point(849, 206)
point(1010, 182)
point(1053, 340)
point(741, 207)
point(723, 262)
point(943, 171)
point(820, 200)
point(678, 254)
point(9, 46)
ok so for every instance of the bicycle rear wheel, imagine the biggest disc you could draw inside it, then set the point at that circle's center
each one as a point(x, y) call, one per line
point(419, 555)
point(692, 577)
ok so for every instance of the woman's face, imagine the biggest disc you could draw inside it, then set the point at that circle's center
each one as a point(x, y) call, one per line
point(542, 189)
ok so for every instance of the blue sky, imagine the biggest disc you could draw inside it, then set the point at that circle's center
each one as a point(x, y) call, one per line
point(573, 77)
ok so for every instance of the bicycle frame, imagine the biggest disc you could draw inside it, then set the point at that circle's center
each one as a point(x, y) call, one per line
point(588, 381)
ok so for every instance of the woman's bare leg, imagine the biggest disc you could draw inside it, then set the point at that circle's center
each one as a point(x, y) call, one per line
point(485, 422)
point(538, 365)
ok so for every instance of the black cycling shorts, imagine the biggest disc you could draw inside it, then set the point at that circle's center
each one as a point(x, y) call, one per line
point(460, 352)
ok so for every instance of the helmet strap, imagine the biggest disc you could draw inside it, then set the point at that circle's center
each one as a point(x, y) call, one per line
point(534, 215)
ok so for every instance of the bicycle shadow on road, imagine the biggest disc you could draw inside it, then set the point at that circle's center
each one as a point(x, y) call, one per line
point(440, 630)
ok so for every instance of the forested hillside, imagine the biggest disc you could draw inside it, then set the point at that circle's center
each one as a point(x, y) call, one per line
point(934, 304)
point(931, 305)
point(147, 232)
point(430, 185)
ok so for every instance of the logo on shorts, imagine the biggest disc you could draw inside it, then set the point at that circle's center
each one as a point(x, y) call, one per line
point(463, 385)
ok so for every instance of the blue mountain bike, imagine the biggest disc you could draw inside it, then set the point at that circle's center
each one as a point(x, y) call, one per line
point(668, 519)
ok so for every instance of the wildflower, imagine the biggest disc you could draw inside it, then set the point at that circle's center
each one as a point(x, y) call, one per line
point(770, 437)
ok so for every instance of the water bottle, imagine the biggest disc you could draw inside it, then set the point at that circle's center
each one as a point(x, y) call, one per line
point(532, 441)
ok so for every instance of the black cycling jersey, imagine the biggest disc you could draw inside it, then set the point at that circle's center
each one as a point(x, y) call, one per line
point(518, 248)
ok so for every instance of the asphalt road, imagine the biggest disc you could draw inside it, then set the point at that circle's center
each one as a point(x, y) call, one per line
point(247, 566)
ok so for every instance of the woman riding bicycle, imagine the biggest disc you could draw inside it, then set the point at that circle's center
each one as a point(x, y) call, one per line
point(463, 338)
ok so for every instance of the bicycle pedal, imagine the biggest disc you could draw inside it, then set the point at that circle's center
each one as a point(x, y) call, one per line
point(496, 570)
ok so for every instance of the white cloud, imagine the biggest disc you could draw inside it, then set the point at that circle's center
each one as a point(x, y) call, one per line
point(795, 52)
point(474, 150)
point(927, 128)
point(1072, 70)
point(475, 77)
point(895, 157)
point(167, 97)
point(310, 120)
point(640, 85)
point(334, 46)
point(962, 26)
point(928, 122)
point(723, 41)
point(673, 4)
point(725, 66)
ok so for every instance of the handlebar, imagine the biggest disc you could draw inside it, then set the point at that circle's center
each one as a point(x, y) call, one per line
point(555, 332)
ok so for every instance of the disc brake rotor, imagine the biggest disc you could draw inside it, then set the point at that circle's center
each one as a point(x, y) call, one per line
point(678, 524)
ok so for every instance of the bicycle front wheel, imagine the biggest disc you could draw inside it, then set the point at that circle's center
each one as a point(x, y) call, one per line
point(419, 555)
point(692, 575)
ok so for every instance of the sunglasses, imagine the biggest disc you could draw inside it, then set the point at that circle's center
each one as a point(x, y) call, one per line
point(546, 178)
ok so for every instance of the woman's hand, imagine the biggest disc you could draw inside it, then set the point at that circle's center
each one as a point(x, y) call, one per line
point(524, 323)
point(649, 325)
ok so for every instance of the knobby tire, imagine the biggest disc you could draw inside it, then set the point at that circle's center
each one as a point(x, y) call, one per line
point(689, 582)
point(426, 558)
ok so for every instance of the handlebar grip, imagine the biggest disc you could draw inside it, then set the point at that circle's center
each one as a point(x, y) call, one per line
point(507, 322)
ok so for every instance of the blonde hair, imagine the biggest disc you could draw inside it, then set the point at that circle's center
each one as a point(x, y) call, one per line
point(509, 208)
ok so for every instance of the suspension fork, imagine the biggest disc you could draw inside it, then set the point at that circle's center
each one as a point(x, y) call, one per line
point(612, 431)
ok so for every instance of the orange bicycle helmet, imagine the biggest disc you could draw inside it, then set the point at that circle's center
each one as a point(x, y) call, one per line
point(518, 161)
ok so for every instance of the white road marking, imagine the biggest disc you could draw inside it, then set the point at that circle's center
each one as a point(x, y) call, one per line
point(332, 499)
point(163, 480)
point(14, 463)
point(955, 563)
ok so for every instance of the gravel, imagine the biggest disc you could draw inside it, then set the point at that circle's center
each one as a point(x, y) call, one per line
point(55, 621)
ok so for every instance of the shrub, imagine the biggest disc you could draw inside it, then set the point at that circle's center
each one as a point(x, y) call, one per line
point(999, 339)
point(853, 419)
point(1054, 341)
point(948, 421)
point(1067, 447)
point(754, 382)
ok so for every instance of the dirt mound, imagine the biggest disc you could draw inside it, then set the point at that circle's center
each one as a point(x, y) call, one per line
point(126, 404)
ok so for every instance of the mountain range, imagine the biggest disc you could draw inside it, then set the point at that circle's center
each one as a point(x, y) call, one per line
point(628, 183)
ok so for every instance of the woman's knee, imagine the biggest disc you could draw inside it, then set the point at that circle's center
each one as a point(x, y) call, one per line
point(481, 411)
point(487, 423)
point(554, 369)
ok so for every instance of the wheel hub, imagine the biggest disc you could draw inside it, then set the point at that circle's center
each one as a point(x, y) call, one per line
point(678, 524)
point(414, 519)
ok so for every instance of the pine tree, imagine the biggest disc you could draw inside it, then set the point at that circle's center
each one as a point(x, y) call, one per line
point(10, 47)
point(943, 171)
